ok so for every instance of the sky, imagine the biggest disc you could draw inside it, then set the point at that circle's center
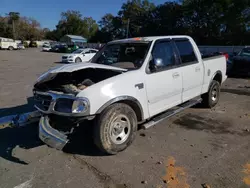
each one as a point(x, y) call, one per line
point(47, 12)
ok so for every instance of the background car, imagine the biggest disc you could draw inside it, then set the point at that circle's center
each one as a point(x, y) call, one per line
point(79, 55)
point(240, 63)
point(46, 48)
point(58, 48)
point(20, 47)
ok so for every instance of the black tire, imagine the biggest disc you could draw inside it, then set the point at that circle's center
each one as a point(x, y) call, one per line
point(105, 126)
point(78, 60)
point(11, 48)
point(211, 98)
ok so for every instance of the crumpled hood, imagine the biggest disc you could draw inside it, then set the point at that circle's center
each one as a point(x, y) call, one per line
point(74, 67)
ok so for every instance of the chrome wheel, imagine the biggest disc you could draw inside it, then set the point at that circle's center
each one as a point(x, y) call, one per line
point(214, 94)
point(120, 129)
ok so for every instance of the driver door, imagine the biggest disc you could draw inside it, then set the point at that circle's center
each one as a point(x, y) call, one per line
point(163, 78)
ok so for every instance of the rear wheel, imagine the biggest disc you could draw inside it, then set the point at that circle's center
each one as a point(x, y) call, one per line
point(115, 128)
point(78, 60)
point(211, 98)
point(11, 48)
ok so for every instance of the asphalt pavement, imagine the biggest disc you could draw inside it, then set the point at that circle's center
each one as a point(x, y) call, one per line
point(197, 148)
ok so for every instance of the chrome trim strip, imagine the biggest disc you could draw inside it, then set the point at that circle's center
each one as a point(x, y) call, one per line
point(55, 97)
point(51, 136)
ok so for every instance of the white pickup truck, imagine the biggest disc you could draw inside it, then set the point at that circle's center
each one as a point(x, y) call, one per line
point(130, 82)
point(8, 44)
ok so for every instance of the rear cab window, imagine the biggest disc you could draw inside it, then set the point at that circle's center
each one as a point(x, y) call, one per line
point(186, 51)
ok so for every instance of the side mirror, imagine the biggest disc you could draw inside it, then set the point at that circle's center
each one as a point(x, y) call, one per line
point(155, 64)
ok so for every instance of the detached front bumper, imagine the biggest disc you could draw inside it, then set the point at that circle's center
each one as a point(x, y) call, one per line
point(51, 136)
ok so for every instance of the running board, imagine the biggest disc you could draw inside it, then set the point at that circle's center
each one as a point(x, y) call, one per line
point(170, 113)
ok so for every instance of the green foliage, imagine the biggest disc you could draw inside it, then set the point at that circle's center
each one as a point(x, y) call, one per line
point(20, 28)
point(135, 12)
point(26, 45)
point(5, 28)
point(33, 44)
point(72, 23)
point(209, 22)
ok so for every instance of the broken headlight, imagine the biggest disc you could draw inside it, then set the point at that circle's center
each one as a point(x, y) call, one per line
point(79, 106)
point(71, 105)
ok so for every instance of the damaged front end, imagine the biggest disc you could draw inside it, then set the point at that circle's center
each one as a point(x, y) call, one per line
point(51, 136)
point(69, 112)
point(56, 98)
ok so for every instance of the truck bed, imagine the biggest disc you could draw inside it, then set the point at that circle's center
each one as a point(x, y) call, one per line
point(211, 66)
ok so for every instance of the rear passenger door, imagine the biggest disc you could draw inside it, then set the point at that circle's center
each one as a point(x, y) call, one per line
point(191, 69)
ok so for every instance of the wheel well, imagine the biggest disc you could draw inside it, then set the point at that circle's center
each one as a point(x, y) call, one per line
point(135, 107)
point(218, 77)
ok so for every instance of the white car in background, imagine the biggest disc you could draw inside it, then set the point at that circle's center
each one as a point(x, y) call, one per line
point(20, 47)
point(46, 48)
point(80, 55)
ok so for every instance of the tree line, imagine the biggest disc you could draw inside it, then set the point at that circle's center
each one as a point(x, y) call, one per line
point(209, 22)
point(18, 27)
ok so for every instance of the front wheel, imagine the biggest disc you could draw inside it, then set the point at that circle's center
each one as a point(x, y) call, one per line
point(78, 60)
point(11, 48)
point(115, 128)
point(211, 98)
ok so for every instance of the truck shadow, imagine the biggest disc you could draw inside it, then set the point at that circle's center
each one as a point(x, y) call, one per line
point(28, 107)
point(11, 137)
point(82, 142)
point(199, 123)
point(27, 138)
point(23, 137)
point(236, 91)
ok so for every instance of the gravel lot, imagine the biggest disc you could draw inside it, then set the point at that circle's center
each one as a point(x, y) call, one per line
point(197, 148)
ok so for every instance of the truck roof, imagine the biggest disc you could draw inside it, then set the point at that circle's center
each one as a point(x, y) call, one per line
point(147, 39)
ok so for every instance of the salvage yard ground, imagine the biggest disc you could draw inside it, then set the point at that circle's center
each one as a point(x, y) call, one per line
point(197, 148)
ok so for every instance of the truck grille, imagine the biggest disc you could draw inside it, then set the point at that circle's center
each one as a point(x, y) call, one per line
point(42, 101)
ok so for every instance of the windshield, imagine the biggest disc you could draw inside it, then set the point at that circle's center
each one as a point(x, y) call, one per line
point(245, 52)
point(123, 55)
point(77, 51)
point(46, 46)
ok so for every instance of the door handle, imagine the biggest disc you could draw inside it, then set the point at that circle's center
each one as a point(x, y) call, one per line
point(176, 75)
point(197, 69)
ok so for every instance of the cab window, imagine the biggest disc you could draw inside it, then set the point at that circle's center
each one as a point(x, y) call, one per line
point(186, 51)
